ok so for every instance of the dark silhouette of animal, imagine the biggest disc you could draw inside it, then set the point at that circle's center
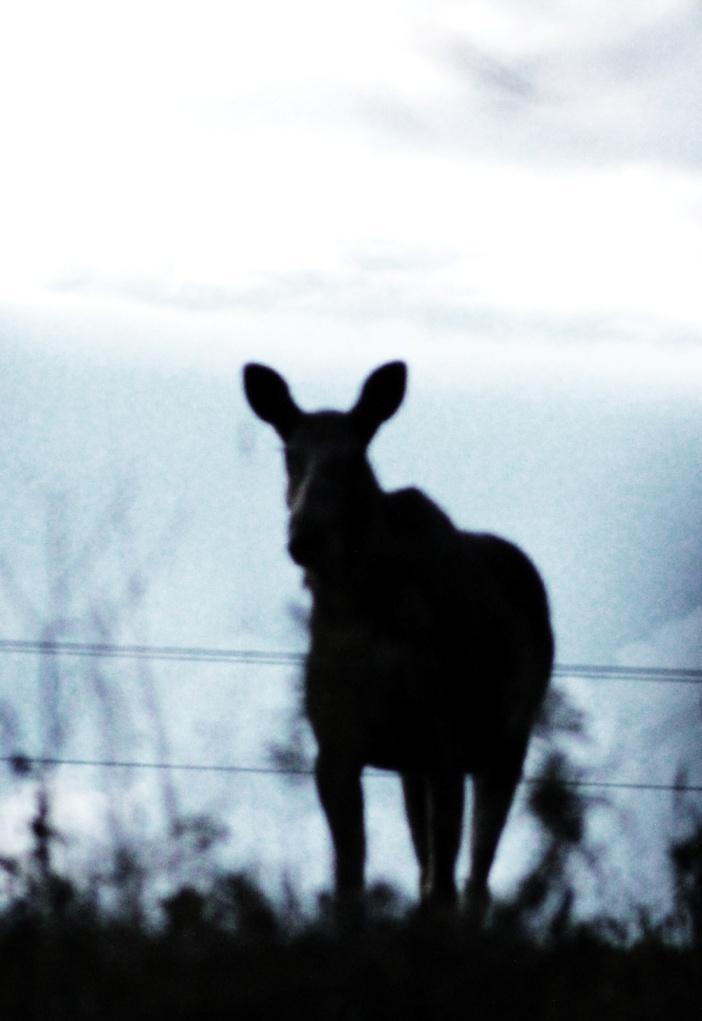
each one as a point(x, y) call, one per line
point(430, 649)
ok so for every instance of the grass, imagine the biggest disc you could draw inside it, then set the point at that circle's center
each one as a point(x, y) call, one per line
point(229, 952)
point(92, 949)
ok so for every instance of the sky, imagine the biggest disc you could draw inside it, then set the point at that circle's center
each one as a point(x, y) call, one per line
point(454, 168)
point(508, 196)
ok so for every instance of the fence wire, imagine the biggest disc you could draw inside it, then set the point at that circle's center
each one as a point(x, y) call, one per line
point(262, 657)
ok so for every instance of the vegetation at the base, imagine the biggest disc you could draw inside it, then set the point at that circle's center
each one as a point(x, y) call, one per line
point(103, 947)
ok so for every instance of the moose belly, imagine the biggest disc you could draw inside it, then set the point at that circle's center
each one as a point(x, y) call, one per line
point(379, 705)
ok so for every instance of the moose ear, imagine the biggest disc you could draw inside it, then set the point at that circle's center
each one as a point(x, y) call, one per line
point(269, 397)
point(380, 398)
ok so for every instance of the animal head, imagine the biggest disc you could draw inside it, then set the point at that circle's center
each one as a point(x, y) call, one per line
point(331, 487)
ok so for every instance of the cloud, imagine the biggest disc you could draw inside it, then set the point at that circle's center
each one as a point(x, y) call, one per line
point(676, 644)
point(598, 84)
point(430, 292)
point(506, 80)
point(664, 719)
point(267, 180)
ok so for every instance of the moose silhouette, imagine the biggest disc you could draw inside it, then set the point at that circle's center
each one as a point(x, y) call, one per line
point(430, 648)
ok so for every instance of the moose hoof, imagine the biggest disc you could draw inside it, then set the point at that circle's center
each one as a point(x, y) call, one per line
point(476, 903)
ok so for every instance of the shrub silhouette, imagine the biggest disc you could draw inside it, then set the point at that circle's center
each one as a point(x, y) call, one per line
point(227, 948)
point(686, 860)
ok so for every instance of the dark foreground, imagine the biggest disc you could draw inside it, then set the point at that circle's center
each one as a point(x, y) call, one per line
point(232, 955)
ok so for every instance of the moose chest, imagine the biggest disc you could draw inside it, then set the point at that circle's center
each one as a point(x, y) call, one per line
point(376, 693)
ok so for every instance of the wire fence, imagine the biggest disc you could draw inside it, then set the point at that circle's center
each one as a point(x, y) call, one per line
point(22, 762)
point(204, 654)
point(259, 657)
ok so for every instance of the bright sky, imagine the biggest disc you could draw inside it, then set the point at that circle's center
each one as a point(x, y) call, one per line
point(481, 170)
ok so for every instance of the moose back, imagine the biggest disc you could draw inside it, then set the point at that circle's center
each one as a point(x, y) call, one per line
point(430, 648)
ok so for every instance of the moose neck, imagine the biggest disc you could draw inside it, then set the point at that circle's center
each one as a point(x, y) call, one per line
point(347, 584)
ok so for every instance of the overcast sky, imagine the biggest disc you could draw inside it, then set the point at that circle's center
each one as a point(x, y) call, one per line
point(464, 170)
point(508, 195)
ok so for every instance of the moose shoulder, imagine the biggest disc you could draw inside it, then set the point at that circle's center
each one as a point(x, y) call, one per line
point(430, 648)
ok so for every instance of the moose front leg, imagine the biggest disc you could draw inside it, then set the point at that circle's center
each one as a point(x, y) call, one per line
point(446, 822)
point(341, 795)
point(434, 807)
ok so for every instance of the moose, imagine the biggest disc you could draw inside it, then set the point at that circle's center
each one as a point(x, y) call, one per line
point(430, 648)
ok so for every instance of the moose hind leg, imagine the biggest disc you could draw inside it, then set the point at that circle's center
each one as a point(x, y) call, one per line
point(415, 789)
point(492, 797)
point(341, 795)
